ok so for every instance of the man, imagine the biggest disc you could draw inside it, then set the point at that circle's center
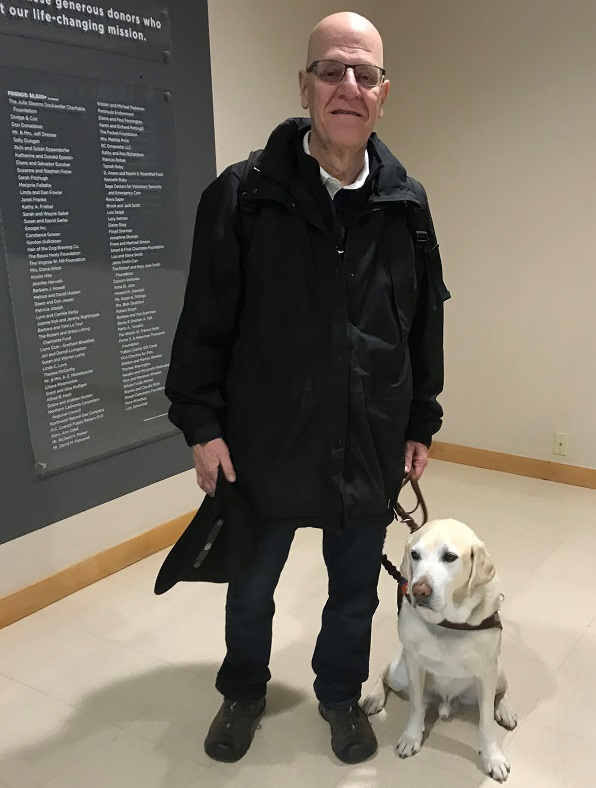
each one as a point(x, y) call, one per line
point(308, 355)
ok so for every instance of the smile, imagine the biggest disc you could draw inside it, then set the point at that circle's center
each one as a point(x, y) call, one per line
point(346, 112)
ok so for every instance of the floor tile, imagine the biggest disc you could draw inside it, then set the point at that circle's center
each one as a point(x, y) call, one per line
point(385, 646)
point(290, 664)
point(212, 778)
point(171, 707)
point(187, 638)
point(386, 769)
point(527, 679)
point(543, 758)
point(14, 695)
point(107, 686)
point(159, 627)
point(542, 623)
point(42, 653)
point(123, 612)
point(569, 569)
point(102, 610)
point(156, 701)
point(126, 761)
point(569, 705)
point(43, 737)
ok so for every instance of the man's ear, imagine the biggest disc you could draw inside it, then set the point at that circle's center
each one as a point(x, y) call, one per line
point(302, 81)
point(483, 569)
point(384, 91)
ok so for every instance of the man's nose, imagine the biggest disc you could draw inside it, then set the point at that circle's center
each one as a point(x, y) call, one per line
point(422, 591)
point(349, 86)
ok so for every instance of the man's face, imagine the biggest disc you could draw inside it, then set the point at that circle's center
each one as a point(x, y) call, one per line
point(344, 115)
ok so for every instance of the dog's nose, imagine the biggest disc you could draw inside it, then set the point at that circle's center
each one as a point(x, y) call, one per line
point(421, 591)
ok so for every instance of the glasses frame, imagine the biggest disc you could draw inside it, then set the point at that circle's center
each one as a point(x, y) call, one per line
point(312, 70)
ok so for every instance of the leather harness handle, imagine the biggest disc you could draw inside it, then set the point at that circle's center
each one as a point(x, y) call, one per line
point(406, 517)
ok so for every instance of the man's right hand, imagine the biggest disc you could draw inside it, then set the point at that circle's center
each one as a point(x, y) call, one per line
point(208, 457)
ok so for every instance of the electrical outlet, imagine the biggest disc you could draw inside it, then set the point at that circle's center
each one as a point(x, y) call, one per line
point(561, 443)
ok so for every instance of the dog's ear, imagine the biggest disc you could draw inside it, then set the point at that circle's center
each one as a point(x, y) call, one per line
point(406, 564)
point(483, 570)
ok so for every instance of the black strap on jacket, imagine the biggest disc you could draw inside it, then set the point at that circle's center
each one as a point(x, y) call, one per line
point(419, 219)
point(420, 224)
point(247, 207)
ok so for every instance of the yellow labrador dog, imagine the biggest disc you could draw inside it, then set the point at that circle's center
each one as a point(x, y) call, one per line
point(451, 581)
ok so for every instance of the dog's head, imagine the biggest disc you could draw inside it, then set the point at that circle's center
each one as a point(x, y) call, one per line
point(446, 566)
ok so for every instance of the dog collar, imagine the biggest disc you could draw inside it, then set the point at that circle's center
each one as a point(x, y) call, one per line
point(492, 622)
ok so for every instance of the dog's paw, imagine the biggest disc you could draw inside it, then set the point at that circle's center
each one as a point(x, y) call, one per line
point(375, 701)
point(505, 715)
point(409, 744)
point(373, 704)
point(496, 765)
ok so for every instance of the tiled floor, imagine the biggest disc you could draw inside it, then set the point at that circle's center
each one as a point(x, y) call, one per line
point(113, 686)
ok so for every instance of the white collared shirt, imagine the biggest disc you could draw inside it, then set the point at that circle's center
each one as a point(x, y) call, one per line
point(332, 184)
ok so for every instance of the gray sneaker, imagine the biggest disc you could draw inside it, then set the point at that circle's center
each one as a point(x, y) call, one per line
point(232, 729)
point(352, 737)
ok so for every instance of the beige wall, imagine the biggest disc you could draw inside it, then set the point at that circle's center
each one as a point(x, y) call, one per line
point(492, 107)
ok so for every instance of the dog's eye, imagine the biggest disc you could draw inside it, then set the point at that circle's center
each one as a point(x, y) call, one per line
point(415, 555)
point(449, 557)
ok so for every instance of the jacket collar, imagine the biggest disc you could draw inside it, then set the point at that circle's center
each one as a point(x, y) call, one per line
point(277, 175)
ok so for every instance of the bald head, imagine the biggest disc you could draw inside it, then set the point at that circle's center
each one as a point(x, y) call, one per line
point(343, 111)
point(345, 30)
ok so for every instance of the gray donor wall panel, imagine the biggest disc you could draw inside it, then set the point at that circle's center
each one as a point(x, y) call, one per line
point(106, 143)
point(89, 218)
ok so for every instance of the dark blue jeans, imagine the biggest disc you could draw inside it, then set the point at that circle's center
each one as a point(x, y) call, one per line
point(341, 657)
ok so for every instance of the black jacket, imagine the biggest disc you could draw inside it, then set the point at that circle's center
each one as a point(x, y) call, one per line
point(314, 364)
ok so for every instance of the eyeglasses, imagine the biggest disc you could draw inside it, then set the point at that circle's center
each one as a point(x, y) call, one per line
point(333, 71)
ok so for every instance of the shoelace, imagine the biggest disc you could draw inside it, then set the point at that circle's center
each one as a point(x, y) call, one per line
point(229, 717)
point(229, 710)
point(352, 717)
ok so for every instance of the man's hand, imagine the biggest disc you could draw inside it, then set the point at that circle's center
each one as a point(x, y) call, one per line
point(208, 457)
point(416, 459)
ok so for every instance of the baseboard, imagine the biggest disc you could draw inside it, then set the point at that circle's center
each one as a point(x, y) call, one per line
point(43, 593)
point(511, 463)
